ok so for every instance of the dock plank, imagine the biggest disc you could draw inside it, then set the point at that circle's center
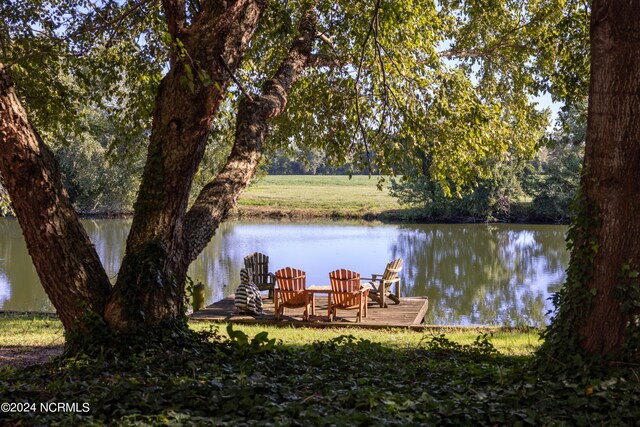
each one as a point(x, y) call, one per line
point(409, 313)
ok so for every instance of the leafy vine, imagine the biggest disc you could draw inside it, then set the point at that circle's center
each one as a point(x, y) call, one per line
point(573, 301)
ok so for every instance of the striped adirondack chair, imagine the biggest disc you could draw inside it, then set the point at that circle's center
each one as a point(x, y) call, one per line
point(259, 264)
point(247, 297)
point(346, 294)
point(381, 283)
point(291, 291)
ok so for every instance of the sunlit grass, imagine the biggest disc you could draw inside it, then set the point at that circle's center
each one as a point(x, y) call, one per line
point(44, 331)
point(331, 193)
point(30, 330)
point(508, 342)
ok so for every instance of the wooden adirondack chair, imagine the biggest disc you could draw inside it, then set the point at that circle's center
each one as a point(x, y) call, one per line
point(381, 283)
point(259, 264)
point(346, 294)
point(291, 291)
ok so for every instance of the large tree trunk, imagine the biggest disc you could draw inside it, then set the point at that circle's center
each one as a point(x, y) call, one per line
point(611, 179)
point(164, 240)
point(66, 261)
point(149, 288)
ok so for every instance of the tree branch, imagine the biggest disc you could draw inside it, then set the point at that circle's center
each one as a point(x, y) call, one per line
point(463, 53)
point(318, 61)
point(117, 20)
point(195, 6)
point(235, 80)
point(385, 86)
point(219, 196)
point(325, 38)
point(363, 131)
point(185, 107)
point(176, 16)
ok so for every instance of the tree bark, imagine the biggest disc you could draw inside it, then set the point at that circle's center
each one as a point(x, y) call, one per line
point(149, 287)
point(611, 177)
point(219, 196)
point(66, 262)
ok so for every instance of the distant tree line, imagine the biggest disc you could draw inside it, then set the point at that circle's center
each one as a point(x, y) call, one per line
point(102, 181)
point(297, 161)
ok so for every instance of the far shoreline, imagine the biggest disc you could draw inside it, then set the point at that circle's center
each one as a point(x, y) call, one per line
point(300, 198)
point(292, 214)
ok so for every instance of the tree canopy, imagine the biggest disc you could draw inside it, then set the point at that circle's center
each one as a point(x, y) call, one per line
point(455, 79)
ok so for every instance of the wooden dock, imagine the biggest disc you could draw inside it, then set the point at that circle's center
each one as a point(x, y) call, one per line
point(409, 313)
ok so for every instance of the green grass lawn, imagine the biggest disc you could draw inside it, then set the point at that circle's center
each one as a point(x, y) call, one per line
point(508, 342)
point(322, 194)
point(29, 331)
point(32, 331)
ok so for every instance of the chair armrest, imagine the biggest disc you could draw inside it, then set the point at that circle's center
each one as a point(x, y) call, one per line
point(366, 286)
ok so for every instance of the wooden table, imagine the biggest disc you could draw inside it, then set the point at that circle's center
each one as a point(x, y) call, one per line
point(326, 289)
point(318, 289)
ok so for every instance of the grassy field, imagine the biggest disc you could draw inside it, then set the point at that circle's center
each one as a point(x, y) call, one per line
point(507, 342)
point(317, 195)
point(30, 332)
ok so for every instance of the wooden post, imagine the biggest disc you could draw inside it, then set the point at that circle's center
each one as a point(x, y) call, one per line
point(198, 296)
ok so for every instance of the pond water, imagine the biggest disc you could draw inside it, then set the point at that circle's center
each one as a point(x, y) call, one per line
point(473, 274)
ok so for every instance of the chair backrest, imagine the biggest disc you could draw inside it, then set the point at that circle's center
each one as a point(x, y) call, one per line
point(290, 282)
point(392, 269)
point(259, 265)
point(344, 281)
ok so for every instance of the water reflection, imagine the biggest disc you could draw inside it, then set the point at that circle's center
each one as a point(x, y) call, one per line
point(315, 248)
point(109, 237)
point(472, 274)
point(484, 274)
point(19, 284)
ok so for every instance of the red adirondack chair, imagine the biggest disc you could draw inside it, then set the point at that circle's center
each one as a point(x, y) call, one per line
point(346, 294)
point(291, 292)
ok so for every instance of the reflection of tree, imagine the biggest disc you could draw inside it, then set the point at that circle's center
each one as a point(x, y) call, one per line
point(109, 237)
point(22, 286)
point(218, 267)
point(478, 274)
point(219, 264)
